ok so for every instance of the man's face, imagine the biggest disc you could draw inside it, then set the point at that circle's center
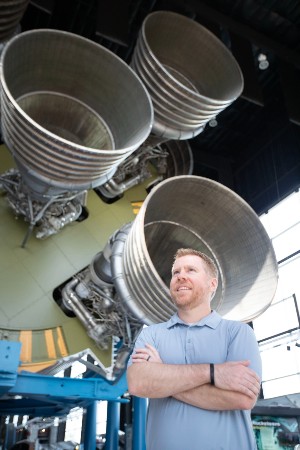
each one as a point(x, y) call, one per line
point(191, 284)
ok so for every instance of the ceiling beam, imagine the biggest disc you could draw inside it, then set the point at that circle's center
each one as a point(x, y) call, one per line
point(261, 40)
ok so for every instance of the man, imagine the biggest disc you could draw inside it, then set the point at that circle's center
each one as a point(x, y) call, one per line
point(200, 372)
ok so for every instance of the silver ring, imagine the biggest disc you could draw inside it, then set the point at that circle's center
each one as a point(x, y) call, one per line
point(148, 358)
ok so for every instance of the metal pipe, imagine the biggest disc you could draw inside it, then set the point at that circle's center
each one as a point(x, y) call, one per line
point(71, 301)
point(113, 426)
point(90, 426)
point(139, 423)
point(115, 188)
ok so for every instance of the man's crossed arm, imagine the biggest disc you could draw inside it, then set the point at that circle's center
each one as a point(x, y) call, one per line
point(236, 385)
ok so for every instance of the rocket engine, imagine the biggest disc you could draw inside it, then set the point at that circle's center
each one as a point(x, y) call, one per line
point(126, 285)
point(75, 117)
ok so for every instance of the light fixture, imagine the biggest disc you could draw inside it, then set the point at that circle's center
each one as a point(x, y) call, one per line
point(263, 61)
point(213, 122)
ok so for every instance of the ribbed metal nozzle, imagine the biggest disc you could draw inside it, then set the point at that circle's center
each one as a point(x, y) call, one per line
point(11, 13)
point(71, 110)
point(196, 212)
point(190, 74)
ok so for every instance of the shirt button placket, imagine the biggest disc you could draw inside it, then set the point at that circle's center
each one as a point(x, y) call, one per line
point(189, 347)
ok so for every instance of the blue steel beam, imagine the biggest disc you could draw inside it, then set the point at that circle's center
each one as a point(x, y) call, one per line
point(28, 383)
point(90, 427)
point(56, 393)
point(113, 426)
point(38, 407)
point(48, 396)
point(9, 363)
point(139, 423)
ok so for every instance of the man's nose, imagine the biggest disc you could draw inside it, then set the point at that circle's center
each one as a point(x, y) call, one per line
point(181, 275)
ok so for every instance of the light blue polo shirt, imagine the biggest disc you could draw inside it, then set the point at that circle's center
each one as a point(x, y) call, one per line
point(174, 425)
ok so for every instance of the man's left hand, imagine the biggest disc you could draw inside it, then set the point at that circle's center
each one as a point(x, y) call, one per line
point(146, 354)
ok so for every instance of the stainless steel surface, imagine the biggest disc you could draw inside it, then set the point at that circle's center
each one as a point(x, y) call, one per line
point(169, 159)
point(190, 211)
point(180, 160)
point(189, 73)
point(11, 12)
point(71, 110)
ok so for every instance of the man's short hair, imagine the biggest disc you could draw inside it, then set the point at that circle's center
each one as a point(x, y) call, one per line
point(209, 263)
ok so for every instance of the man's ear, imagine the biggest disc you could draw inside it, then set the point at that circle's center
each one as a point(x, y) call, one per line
point(214, 284)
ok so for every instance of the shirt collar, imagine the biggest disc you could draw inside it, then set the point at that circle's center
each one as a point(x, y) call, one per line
point(212, 321)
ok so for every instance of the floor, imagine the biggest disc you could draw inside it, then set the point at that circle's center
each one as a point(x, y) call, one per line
point(29, 275)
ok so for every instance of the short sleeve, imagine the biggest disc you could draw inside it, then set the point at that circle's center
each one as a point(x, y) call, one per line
point(243, 346)
point(143, 337)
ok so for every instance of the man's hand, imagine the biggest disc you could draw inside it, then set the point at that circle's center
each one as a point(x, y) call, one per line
point(237, 376)
point(147, 354)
